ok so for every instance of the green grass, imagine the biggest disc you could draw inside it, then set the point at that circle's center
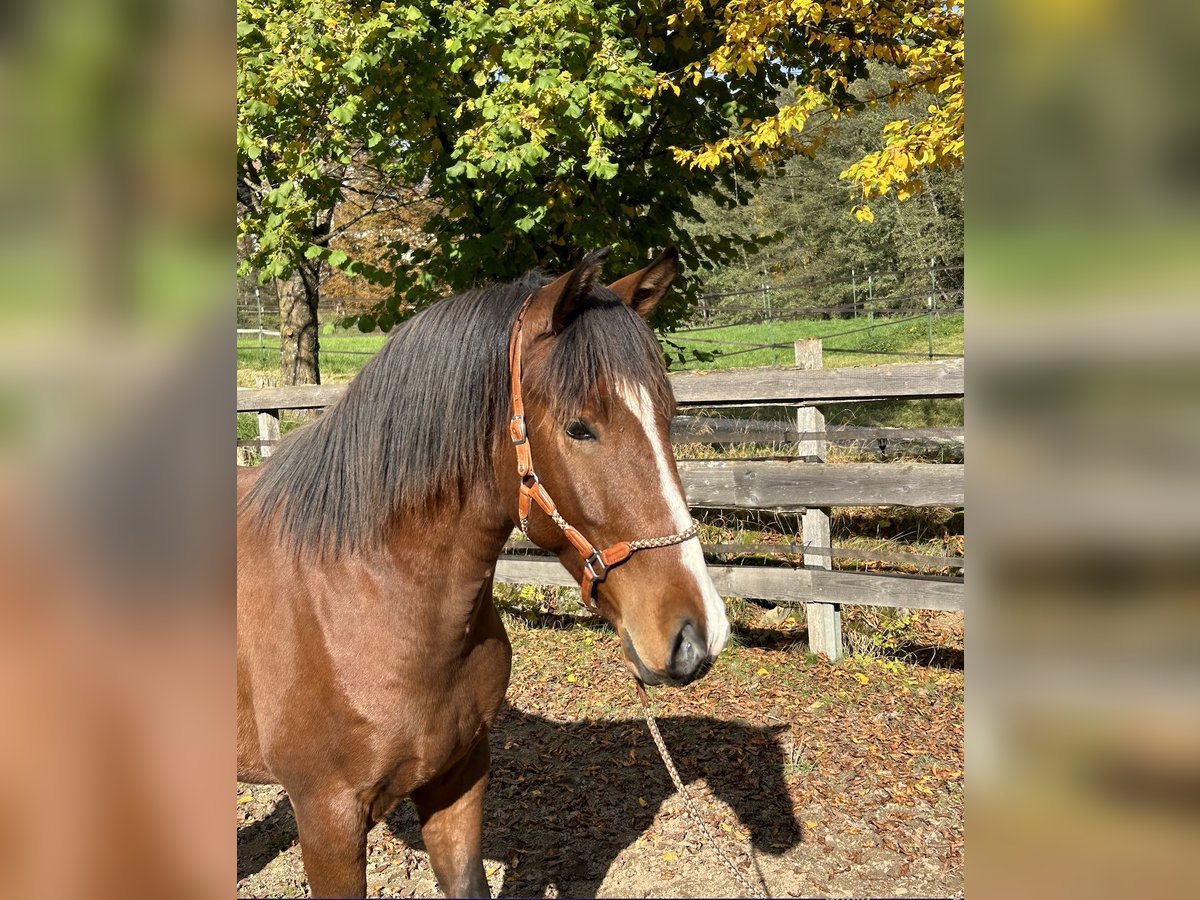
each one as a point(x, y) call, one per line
point(881, 338)
point(873, 341)
point(336, 365)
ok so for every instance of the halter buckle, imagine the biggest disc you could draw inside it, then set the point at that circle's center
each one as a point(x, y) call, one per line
point(591, 563)
point(517, 430)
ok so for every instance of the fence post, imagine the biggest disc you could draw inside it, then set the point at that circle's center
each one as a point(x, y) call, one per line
point(871, 300)
point(268, 419)
point(824, 619)
point(929, 303)
point(268, 430)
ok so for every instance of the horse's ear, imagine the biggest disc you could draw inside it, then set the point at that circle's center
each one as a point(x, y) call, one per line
point(643, 289)
point(569, 292)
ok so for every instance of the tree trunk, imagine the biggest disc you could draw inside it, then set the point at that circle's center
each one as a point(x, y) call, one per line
point(298, 341)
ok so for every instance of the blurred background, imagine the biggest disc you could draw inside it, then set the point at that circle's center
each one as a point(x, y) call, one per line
point(116, 501)
point(116, 541)
point(1083, 726)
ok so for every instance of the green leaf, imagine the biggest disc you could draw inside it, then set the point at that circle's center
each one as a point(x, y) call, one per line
point(366, 323)
point(337, 258)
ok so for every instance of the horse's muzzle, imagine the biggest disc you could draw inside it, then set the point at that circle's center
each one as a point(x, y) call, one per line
point(689, 660)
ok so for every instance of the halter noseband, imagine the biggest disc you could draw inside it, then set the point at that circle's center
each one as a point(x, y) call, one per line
point(596, 563)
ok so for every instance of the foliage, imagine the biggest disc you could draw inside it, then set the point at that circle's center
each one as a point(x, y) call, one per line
point(829, 44)
point(878, 632)
point(798, 215)
point(529, 130)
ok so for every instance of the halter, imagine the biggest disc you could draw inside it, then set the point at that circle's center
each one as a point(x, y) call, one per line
point(596, 563)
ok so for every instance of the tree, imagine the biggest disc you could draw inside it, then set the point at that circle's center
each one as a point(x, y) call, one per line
point(923, 39)
point(800, 214)
point(535, 130)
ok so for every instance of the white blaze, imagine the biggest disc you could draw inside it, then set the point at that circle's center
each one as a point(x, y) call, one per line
point(637, 398)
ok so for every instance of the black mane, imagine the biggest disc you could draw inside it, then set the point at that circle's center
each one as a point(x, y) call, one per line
point(418, 425)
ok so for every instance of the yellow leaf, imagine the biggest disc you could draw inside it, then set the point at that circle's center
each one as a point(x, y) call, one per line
point(641, 801)
point(864, 214)
point(670, 856)
point(571, 678)
point(808, 823)
point(245, 798)
point(861, 678)
point(762, 672)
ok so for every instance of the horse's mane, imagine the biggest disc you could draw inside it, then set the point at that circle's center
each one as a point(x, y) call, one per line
point(418, 425)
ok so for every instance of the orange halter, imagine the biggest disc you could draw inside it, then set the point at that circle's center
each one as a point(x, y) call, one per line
point(596, 563)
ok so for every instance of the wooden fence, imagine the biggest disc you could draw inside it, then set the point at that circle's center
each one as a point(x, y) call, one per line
point(805, 486)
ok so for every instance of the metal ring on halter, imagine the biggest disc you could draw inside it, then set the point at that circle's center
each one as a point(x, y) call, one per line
point(590, 564)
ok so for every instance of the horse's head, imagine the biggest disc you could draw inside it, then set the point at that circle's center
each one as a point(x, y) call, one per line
point(598, 411)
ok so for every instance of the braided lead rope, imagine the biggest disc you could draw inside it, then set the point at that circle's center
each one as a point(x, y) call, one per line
point(668, 540)
point(747, 886)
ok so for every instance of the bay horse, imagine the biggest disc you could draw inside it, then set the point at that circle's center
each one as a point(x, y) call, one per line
point(370, 657)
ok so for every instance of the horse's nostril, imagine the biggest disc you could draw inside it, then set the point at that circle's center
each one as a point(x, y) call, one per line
point(687, 653)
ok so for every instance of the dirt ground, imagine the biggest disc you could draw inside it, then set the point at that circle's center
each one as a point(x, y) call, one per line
point(831, 779)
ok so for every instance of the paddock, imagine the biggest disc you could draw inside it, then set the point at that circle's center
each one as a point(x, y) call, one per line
point(828, 761)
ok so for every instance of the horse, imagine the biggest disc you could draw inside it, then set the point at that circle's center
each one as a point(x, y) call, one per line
point(371, 660)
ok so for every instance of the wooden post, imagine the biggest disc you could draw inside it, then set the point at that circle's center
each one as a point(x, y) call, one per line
point(824, 619)
point(268, 430)
point(268, 419)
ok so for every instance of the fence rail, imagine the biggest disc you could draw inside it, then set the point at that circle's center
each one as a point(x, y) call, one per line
point(715, 430)
point(781, 585)
point(741, 387)
point(797, 485)
point(794, 485)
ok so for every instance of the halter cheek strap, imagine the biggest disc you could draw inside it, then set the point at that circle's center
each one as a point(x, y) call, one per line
point(596, 563)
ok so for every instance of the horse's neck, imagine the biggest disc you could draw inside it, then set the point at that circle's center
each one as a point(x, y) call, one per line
point(457, 544)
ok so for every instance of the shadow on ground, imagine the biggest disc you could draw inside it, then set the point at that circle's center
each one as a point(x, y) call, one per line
point(566, 798)
point(260, 842)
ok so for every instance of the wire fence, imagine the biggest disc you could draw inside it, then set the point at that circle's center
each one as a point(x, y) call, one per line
point(729, 324)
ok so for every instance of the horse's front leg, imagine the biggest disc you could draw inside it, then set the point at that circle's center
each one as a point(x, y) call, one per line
point(451, 812)
point(333, 842)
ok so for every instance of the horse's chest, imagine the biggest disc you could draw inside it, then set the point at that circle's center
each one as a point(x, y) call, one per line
point(434, 721)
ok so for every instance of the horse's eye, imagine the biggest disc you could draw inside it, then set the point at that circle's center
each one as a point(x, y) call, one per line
point(577, 431)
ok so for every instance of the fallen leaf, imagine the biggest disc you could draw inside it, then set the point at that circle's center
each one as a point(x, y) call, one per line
point(670, 856)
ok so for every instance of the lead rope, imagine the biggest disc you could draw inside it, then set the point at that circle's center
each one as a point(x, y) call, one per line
point(750, 889)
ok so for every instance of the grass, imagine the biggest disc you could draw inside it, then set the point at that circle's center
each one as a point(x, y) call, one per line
point(343, 353)
point(867, 345)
